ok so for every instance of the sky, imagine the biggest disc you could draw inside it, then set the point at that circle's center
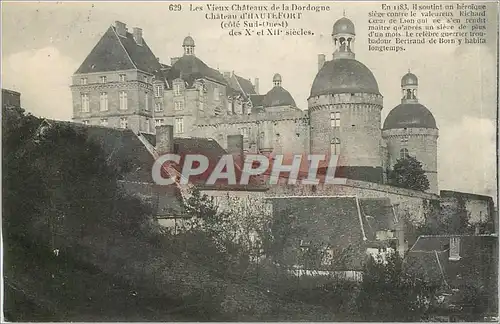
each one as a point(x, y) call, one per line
point(43, 44)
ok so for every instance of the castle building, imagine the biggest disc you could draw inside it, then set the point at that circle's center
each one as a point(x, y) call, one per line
point(410, 129)
point(113, 86)
point(122, 84)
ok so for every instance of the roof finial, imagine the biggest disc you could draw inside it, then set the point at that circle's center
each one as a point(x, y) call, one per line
point(344, 13)
point(408, 70)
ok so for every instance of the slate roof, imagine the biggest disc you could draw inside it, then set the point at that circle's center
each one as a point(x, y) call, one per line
point(123, 146)
point(115, 53)
point(278, 96)
point(410, 115)
point(344, 76)
point(246, 85)
point(190, 68)
point(213, 151)
point(335, 220)
point(256, 100)
point(478, 258)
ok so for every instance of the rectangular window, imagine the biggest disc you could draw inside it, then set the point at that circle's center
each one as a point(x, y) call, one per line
point(455, 248)
point(158, 89)
point(177, 89)
point(86, 122)
point(123, 100)
point(123, 122)
point(85, 102)
point(83, 81)
point(103, 100)
point(146, 101)
point(178, 105)
point(148, 126)
point(104, 122)
point(104, 79)
point(123, 77)
point(179, 125)
point(158, 107)
point(159, 122)
point(335, 119)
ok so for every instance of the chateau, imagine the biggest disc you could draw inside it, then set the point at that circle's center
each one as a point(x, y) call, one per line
point(189, 107)
point(122, 84)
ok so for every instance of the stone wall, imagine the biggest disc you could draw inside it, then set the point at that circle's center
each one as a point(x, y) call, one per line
point(358, 131)
point(284, 132)
point(139, 114)
point(480, 208)
point(408, 203)
point(421, 143)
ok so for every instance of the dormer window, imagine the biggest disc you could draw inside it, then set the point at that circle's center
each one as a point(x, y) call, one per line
point(123, 77)
point(177, 89)
point(83, 81)
point(158, 90)
point(145, 79)
point(104, 79)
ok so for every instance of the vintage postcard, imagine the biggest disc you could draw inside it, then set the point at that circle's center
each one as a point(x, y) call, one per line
point(249, 161)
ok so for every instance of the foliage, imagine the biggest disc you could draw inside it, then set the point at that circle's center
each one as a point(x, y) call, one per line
point(390, 292)
point(408, 173)
point(59, 185)
point(454, 219)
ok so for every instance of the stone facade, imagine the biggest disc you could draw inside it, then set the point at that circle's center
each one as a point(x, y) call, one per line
point(343, 115)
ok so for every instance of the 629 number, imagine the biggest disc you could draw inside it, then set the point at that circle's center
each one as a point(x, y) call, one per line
point(175, 7)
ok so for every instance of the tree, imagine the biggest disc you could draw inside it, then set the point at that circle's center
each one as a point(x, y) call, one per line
point(408, 173)
point(60, 186)
point(391, 292)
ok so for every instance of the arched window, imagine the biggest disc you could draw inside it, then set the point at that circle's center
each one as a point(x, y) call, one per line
point(403, 153)
point(335, 146)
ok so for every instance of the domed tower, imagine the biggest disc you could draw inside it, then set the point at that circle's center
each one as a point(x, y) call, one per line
point(344, 107)
point(410, 130)
point(278, 97)
point(188, 45)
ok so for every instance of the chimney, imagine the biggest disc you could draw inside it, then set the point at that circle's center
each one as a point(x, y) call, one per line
point(165, 139)
point(227, 75)
point(173, 60)
point(256, 85)
point(235, 147)
point(137, 32)
point(321, 61)
point(121, 28)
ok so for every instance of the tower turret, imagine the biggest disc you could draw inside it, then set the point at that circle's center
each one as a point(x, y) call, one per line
point(410, 130)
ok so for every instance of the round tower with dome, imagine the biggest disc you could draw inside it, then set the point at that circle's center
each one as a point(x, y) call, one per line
point(278, 98)
point(410, 130)
point(344, 109)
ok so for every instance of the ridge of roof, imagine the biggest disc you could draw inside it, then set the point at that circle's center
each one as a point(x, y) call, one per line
point(107, 54)
point(121, 43)
point(251, 88)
